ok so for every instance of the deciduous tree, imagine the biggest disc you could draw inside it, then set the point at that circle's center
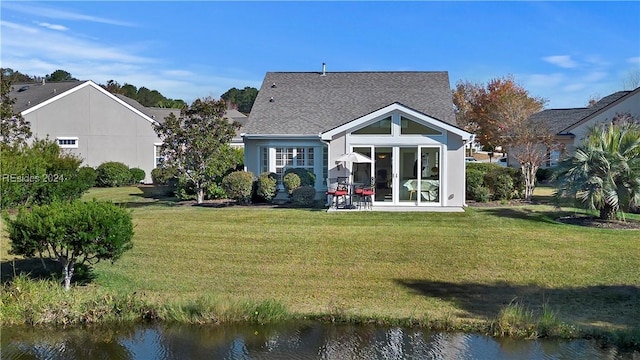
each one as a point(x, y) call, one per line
point(197, 143)
point(492, 111)
point(498, 113)
point(14, 129)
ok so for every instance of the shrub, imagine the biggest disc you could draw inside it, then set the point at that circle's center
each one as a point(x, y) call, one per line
point(137, 175)
point(39, 173)
point(307, 177)
point(475, 179)
point(303, 196)
point(267, 186)
point(518, 179)
point(163, 175)
point(72, 233)
point(544, 175)
point(503, 187)
point(113, 174)
point(291, 181)
point(238, 185)
point(481, 194)
point(87, 176)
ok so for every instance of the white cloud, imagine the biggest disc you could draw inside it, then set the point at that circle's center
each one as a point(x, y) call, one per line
point(53, 13)
point(574, 87)
point(595, 76)
point(39, 43)
point(544, 80)
point(53, 26)
point(634, 60)
point(563, 61)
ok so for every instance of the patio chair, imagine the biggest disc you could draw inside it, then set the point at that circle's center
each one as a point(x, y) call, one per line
point(337, 192)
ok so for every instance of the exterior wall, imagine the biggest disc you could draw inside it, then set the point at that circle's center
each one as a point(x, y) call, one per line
point(253, 155)
point(631, 105)
point(455, 185)
point(106, 130)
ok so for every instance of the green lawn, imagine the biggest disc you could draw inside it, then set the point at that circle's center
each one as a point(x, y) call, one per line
point(385, 265)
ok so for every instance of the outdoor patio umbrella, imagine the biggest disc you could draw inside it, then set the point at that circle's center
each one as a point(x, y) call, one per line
point(353, 157)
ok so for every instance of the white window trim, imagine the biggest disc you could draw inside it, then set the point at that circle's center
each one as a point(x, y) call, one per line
point(67, 146)
point(155, 158)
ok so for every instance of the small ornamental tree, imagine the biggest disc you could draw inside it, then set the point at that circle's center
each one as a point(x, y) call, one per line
point(71, 233)
point(197, 143)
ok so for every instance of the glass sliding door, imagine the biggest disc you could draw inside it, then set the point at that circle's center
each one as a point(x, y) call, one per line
point(429, 179)
point(362, 171)
point(410, 166)
point(383, 176)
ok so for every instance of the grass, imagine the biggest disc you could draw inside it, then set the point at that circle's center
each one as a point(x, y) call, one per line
point(443, 270)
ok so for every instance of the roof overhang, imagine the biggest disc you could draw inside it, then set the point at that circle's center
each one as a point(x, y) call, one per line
point(85, 84)
point(328, 135)
point(279, 136)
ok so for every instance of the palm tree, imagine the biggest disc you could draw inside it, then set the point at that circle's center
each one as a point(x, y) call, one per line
point(604, 172)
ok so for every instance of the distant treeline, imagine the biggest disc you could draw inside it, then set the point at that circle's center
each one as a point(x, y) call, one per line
point(242, 100)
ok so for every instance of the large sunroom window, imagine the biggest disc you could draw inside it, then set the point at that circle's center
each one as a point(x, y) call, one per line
point(410, 127)
point(382, 127)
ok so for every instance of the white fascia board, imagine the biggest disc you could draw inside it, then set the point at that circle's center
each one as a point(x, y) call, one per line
point(95, 86)
point(279, 136)
point(399, 107)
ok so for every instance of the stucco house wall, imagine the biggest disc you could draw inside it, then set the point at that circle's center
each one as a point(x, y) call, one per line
point(106, 129)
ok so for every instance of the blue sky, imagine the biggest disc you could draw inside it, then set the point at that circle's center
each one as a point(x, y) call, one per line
point(565, 52)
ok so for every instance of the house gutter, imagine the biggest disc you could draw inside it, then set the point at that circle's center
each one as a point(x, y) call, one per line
point(279, 136)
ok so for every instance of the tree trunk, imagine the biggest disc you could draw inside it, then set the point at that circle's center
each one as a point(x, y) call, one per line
point(200, 195)
point(529, 172)
point(608, 212)
point(68, 273)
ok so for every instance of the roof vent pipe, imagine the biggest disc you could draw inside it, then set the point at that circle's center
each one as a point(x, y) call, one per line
point(324, 69)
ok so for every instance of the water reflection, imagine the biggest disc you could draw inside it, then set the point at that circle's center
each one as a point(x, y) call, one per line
point(283, 341)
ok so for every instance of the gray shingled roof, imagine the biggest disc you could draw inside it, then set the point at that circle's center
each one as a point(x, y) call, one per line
point(36, 93)
point(561, 121)
point(308, 103)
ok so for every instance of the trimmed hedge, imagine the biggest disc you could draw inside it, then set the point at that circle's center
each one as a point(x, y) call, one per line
point(291, 181)
point(137, 175)
point(307, 177)
point(238, 186)
point(303, 196)
point(266, 186)
point(113, 174)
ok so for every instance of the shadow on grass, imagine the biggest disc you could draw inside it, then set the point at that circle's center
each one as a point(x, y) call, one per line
point(615, 305)
point(548, 217)
point(34, 269)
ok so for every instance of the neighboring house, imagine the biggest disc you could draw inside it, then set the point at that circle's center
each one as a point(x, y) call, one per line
point(87, 120)
point(404, 121)
point(571, 125)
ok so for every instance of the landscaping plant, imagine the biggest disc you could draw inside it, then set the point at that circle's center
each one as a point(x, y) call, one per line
point(72, 233)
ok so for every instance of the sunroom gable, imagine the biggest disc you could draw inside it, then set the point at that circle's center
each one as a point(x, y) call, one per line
point(412, 123)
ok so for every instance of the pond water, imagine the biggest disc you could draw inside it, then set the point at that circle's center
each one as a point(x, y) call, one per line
point(283, 341)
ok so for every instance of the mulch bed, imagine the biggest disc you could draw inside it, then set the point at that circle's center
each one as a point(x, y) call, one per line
point(591, 221)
